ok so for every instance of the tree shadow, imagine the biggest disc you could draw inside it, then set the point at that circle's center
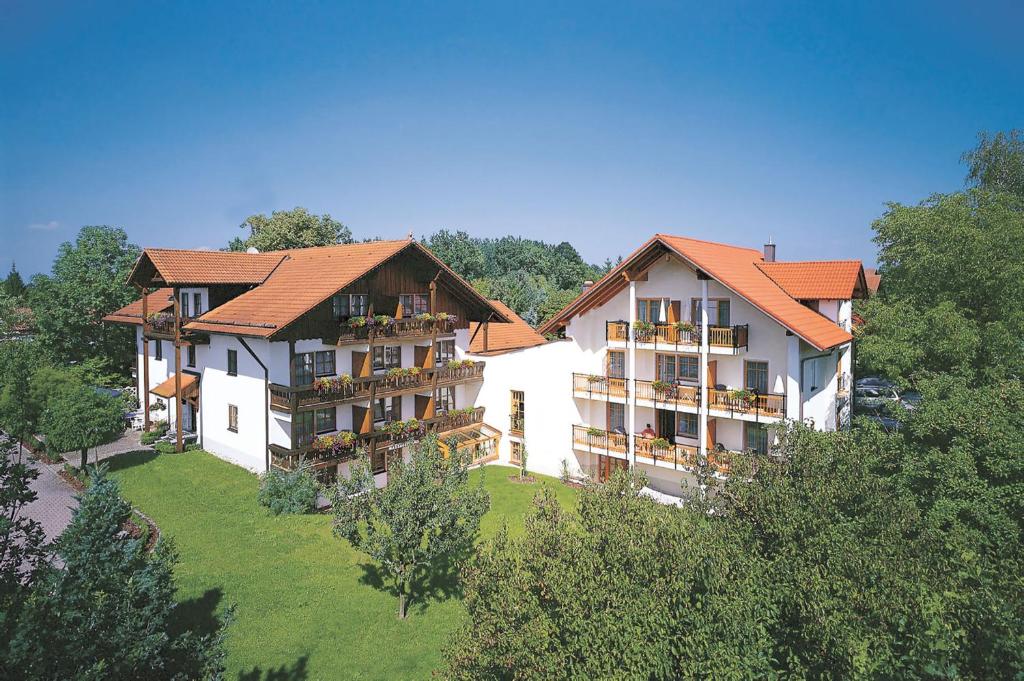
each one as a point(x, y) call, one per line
point(441, 582)
point(128, 460)
point(198, 614)
point(296, 672)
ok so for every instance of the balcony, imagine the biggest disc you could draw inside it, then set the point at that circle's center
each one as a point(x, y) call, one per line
point(382, 327)
point(322, 452)
point(667, 394)
point(680, 334)
point(661, 451)
point(594, 384)
point(747, 403)
point(323, 393)
point(596, 438)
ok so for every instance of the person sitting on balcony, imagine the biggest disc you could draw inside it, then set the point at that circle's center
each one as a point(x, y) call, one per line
point(648, 432)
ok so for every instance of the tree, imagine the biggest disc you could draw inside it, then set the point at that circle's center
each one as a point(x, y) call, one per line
point(296, 228)
point(524, 293)
point(459, 252)
point(110, 612)
point(624, 588)
point(427, 512)
point(88, 281)
point(14, 285)
point(19, 410)
point(80, 417)
point(997, 163)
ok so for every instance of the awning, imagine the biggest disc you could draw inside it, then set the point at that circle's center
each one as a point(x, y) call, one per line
point(189, 386)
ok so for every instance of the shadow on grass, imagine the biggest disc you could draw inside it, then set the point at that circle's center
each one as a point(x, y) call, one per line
point(120, 462)
point(198, 614)
point(439, 583)
point(296, 672)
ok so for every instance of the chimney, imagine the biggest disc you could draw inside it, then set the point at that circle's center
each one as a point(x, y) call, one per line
point(586, 285)
point(769, 251)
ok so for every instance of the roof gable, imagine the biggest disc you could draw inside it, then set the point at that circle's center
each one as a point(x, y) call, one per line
point(818, 279)
point(504, 337)
point(178, 267)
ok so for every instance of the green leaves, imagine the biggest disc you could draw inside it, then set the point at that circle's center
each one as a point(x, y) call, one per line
point(79, 417)
point(296, 228)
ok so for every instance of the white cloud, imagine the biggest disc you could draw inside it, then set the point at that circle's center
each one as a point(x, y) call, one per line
point(45, 226)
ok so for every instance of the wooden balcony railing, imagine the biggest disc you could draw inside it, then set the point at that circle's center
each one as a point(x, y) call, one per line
point(161, 325)
point(617, 331)
point(667, 393)
point(663, 452)
point(393, 328)
point(310, 396)
point(745, 402)
point(288, 458)
point(595, 384)
point(599, 438)
point(686, 334)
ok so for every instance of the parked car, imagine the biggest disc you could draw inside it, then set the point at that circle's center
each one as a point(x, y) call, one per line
point(877, 396)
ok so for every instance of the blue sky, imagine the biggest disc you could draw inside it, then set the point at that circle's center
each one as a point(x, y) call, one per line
point(594, 123)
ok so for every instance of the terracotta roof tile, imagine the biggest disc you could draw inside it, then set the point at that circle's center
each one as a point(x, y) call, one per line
point(873, 279)
point(158, 301)
point(304, 278)
point(738, 269)
point(820, 279)
point(504, 337)
point(184, 267)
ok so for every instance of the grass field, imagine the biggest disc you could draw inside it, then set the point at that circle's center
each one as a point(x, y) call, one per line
point(307, 604)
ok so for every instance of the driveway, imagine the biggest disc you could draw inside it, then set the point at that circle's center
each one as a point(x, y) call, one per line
point(55, 500)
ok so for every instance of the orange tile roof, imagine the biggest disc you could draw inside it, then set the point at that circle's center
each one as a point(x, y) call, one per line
point(504, 337)
point(816, 280)
point(873, 279)
point(736, 268)
point(305, 278)
point(158, 301)
point(189, 384)
point(184, 267)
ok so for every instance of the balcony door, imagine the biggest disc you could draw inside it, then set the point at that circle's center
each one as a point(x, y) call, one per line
point(667, 424)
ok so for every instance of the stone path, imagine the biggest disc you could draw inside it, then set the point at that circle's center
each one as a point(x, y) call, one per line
point(129, 442)
point(55, 498)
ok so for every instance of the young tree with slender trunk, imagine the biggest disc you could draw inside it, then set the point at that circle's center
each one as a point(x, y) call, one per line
point(80, 417)
point(427, 511)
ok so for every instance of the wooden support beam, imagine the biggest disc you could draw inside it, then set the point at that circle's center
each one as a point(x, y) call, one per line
point(179, 446)
point(145, 361)
point(486, 323)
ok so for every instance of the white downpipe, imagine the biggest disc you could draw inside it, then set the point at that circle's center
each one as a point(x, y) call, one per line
point(704, 365)
point(631, 360)
point(794, 400)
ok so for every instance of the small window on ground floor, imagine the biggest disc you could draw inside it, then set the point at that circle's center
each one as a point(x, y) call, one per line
point(517, 451)
point(232, 418)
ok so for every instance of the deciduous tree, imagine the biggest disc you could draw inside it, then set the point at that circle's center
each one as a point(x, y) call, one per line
point(80, 417)
point(296, 228)
point(427, 511)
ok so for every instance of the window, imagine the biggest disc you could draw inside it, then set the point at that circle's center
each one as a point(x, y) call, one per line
point(616, 364)
point(232, 418)
point(517, 451)
point(652, 310)
point(349, 305)
point(445, 400)
point(414, 303)
point(191, 355)
point(158, 352)
point(387, 409)
point(444, 352)
point(756, 377)
point(718, 311)
point(304, 362)
point(326, 420)
point(666, 365)
point(617, 418)
point(232, 362)
point(197, 304)
point(302, 429)
point(687, 425)
point(755, 437)
point(184, 305)
point(518, 414)
point(325, 363)
point(387, 357)
point(689, 367)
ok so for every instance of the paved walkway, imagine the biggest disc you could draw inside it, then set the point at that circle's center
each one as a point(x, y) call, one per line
point(55, 498)
point(129, 442)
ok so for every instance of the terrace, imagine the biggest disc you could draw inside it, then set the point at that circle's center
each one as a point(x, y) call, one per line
point(747, 403)
point(680, 335)
point(383, 327)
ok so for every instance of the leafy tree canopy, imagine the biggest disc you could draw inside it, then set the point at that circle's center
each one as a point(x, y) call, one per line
point(88, 281)
point(427, 512)
point(110, 612)
point(14, 285)
point(79, 417)
point(997, 163)
point(296, 228)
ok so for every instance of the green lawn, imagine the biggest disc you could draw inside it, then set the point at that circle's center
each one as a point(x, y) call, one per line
point(306, 601)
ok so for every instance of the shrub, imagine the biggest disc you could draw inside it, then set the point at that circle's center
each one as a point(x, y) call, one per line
point(564, 474)
point(150, 437)
point(288, 491)
point(522, 463)
point(194, 447)
point(164, 447)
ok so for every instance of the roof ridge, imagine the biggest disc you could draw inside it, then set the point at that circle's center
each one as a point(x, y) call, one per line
point(810, 262)
point(305, 249)
point(708, 241)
